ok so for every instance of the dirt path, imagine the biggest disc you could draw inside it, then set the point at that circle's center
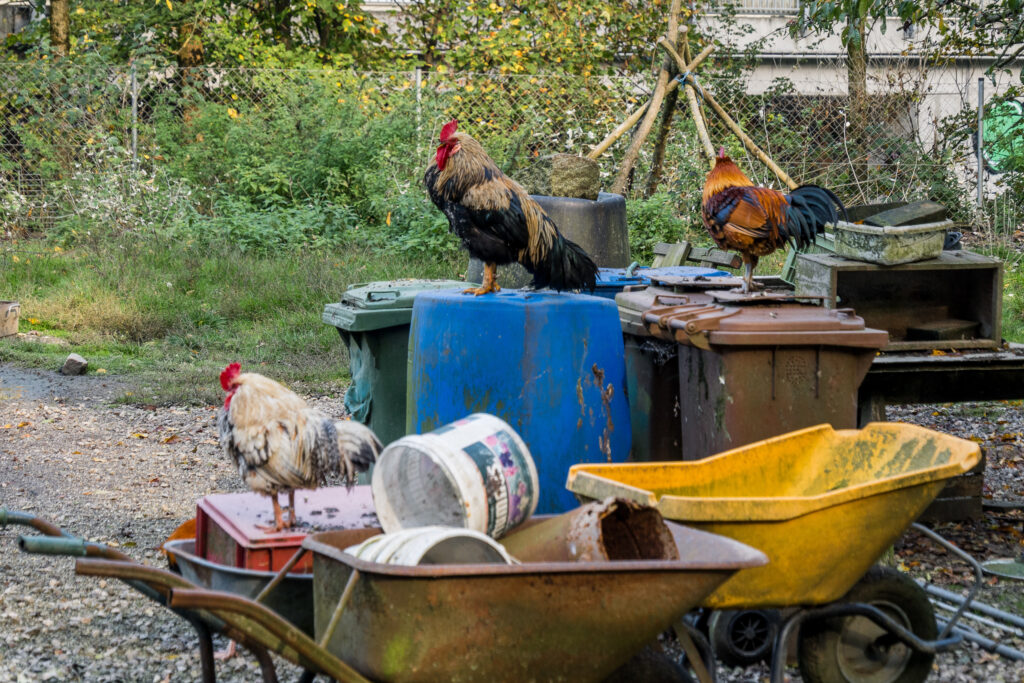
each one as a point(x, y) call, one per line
point(128, 476)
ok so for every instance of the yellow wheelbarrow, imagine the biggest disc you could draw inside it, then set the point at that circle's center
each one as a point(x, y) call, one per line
point(823, 505)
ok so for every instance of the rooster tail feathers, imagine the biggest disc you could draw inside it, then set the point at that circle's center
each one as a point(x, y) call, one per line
point(345, 448)
point(566, 266)
point(810, 208)
point(359, 443)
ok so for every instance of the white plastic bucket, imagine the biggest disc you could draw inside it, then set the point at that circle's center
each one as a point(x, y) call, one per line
point(431, 545)
point(475, 473)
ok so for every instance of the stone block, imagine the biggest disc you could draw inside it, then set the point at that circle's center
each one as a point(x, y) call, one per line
point(74, 365)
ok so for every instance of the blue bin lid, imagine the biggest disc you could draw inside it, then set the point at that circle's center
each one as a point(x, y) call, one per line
point(618, 278)
point(681, 271)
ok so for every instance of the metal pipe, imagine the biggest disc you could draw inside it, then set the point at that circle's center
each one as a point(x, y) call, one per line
point(346, 594)
point(135, 118)
point(976, 606)
point(981, 138)
point(419, 108)
point(946, 607)
point(279, 577)
point(970, 560)
point(987, 643)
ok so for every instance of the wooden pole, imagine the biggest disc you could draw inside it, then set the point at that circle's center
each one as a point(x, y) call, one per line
point(631, 120)
point(732, 125)
point(653, 109)
point(695, 113)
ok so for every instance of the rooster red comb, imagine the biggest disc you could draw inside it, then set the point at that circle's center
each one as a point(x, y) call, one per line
point(448, 129)
point(721, 152)
point(229, 374)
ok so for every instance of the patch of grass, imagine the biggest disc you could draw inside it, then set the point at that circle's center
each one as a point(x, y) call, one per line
point(167, 317)
point(1012, 257)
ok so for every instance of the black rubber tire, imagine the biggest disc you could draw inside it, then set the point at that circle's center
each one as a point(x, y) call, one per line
point(855, 650)
point(651, 665)
point(743, 637)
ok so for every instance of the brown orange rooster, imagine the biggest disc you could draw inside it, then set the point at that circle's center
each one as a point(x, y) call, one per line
point(497, 221)
point(281, 444)
point(756, 221)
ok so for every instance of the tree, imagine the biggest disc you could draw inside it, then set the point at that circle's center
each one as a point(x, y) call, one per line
point(575, 36)
point(59, 27)
point(991, 28)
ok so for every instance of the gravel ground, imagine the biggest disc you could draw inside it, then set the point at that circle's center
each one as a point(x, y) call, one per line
point(128, 476)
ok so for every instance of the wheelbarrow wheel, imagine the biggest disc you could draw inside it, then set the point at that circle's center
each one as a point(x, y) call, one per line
point(856, 650)
point(743, 637)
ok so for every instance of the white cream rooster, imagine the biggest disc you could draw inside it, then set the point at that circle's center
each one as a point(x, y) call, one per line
point(281, 444)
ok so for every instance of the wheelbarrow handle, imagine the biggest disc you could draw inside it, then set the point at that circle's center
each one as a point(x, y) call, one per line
point(26, 519)
point(70, 546)
point(281, 631)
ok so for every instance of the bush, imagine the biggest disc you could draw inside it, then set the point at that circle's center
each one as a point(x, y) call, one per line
point(655, 220)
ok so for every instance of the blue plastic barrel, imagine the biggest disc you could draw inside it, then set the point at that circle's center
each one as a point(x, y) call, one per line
point(549, 364)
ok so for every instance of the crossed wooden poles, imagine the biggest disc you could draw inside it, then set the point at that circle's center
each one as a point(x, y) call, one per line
point(665, 85)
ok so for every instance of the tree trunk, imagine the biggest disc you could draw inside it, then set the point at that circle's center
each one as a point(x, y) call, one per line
point(323, 29)
point(857, 77)
point(59, 27)
point(658, 162)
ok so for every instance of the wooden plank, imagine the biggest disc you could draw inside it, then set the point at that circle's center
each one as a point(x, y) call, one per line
point(814, 278)
point(962, 486)
point(953, 510)
point(950, 328)
point(947, 259)
point(666, 255)
point(942, 345)
point(923, 211)
point(711, 257)
point(859, 213)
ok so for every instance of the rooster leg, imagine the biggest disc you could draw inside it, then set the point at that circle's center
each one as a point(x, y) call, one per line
point(490, 283)
point(291, 506)
point(749, 263)
point(278, 517)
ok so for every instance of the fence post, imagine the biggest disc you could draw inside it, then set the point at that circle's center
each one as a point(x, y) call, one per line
point(419, 108)
point(135, 119)
point(981, 140)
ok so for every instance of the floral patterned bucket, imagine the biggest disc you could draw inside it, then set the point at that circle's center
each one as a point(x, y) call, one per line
point(474, 473)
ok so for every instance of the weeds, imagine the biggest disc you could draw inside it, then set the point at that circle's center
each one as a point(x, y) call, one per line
point(173, 315)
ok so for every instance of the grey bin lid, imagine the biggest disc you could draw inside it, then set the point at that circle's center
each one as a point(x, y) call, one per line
point(376, 305)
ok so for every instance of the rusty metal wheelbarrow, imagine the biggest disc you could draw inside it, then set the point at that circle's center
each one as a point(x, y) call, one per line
point(529, 621)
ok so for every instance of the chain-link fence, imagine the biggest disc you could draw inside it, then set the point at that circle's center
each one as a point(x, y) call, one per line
point(135, 149)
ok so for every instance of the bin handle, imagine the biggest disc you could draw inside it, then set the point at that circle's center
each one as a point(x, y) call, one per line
point(381, 296)
point(670, 300)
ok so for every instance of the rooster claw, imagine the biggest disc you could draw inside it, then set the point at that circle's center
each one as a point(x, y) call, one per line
point(477, 291)
point(227, 653)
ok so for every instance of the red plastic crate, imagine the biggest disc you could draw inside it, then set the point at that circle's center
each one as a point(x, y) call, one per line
point(227, 531)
